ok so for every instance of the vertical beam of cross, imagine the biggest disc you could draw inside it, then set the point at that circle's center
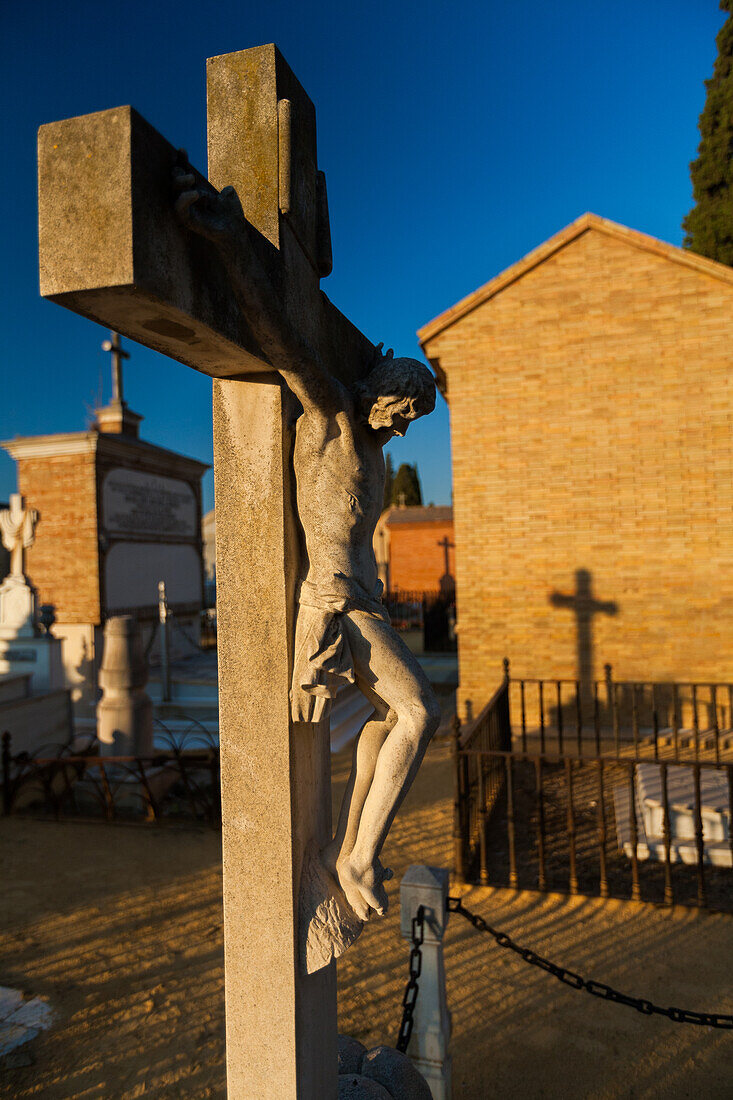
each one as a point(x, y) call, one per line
point(281, 1024)
point(585, 607)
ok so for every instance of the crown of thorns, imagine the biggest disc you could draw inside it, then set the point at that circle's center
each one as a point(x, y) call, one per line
point(397, 378)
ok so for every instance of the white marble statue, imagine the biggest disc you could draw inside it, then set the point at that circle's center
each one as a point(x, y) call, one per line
point(17, 527)
point(343, 631)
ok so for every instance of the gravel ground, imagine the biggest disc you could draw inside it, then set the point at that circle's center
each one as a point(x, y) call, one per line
point(120, 928)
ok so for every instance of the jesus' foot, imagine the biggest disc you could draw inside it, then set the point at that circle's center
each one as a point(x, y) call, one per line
point(363, 885)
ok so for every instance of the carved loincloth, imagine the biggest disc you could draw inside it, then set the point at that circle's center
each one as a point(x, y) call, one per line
point(323, 658)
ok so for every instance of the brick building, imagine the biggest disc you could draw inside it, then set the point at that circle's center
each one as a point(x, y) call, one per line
point(591, 399)
point(421, 549)
point(116, 515)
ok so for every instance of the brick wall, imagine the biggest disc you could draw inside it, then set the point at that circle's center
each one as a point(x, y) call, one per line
point(63, 563)
point(592, 430)
point(416, 561)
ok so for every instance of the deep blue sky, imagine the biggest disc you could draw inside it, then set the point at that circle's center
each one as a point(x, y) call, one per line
point(455, 138)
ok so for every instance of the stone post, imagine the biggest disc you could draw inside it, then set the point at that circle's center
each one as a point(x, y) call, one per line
point(428, 1049)
point(125, 711)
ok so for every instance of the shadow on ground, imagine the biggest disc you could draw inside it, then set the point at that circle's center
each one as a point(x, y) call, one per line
point(120, 927)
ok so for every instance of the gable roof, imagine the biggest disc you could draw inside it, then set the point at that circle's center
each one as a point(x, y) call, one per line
point(554, 244)
point(412, 513)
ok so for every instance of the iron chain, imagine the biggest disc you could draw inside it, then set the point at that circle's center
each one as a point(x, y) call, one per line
point(596, 989)
point(412, 988)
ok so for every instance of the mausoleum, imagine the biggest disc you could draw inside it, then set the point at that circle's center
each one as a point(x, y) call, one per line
point(118, 515)
point(592, 432)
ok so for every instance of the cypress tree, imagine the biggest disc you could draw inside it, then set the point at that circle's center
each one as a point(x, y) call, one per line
point(709, 225)
point(407, 482)
point(388, 481)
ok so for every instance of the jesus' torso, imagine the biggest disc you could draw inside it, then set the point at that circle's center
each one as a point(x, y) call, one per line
point(339, 469)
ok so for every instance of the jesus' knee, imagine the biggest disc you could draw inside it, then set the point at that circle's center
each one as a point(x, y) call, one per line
point(423, 716)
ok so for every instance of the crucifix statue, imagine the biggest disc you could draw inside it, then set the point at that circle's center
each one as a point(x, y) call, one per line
point(223, 274)
point(18, 530)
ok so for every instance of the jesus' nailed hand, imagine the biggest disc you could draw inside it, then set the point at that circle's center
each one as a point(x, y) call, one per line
point(342, 628)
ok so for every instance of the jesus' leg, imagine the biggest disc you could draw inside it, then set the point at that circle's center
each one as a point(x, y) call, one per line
point(367, 745)
point(384, 665)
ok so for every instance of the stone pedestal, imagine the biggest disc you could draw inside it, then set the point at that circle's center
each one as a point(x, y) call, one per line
point(40, 656)
point(17, 608)
point(23, 649)
point(429, 1043)
point(125, 711)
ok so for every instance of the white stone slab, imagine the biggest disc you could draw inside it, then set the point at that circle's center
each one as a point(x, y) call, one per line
point(714, 809)
point(9, 1000)
point(14, 1035)
point(34, 1013)
point(682, 850)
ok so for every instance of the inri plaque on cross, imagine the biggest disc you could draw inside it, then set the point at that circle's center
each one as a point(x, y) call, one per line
point(131, 237)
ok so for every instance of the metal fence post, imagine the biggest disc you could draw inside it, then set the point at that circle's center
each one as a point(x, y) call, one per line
point(165, 668)
point(459, 862)
point(429, 1042)
point(6, 773)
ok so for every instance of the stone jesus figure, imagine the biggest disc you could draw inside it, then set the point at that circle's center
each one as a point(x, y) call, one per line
point(342, 628)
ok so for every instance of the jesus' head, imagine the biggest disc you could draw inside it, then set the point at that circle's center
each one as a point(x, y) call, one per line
point(394, 393)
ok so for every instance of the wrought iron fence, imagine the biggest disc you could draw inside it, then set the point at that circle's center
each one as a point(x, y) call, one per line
point(657, 718)
point(618, 813)
point(432, 612)
point(478, 777)
point(180, 780)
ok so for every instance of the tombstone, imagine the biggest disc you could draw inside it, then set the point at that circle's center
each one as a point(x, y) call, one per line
point(715, 814)
point(120, 514)
point(137, 270)
point(25, 647)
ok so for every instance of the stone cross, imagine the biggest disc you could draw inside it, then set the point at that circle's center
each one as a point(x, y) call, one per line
point(18, 530)
point(118, 354)
point(112, 250)
point(585, 607)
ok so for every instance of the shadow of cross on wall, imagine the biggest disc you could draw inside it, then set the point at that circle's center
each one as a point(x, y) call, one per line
point(585, 607)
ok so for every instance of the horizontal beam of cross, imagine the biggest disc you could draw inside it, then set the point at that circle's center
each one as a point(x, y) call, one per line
point(112, 250)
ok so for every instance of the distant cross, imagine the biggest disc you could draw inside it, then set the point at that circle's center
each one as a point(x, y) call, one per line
point(17, 527)
point(447, 547)
point(585, 607)
point(118, 354)
point(139, 272)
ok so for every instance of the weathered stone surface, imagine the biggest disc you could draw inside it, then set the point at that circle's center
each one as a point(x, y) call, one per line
point(112, 250)
point(395, 1073)
point(327, 924)
point(355, 1087)
point(351, 1052)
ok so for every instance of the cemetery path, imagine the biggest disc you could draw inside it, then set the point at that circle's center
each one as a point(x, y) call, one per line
point(120, 928)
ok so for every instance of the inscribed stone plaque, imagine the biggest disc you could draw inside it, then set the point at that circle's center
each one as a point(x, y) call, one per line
point(137, 503)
